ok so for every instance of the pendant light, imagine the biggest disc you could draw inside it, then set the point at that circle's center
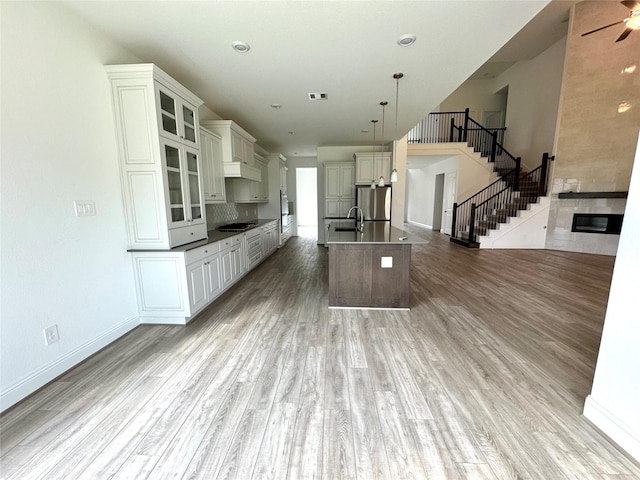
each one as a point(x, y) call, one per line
point(381, 179)
point(394, 172)
point(373, 150)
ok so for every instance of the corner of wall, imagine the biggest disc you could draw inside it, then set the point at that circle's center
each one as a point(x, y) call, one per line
point(20, 390)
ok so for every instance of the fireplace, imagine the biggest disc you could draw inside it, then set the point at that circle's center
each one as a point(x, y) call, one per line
point(606, 223)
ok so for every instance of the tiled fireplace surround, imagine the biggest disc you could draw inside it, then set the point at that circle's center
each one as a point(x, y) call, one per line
point(595, 142)
point(560, 236)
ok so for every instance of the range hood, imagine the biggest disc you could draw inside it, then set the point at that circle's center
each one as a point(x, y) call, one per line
point(241, 170)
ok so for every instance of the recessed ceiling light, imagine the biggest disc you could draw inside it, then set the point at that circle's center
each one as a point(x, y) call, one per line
point(240, 47)
point(276, 105)
point(291, 132)
point(629, 69)
point(364, 130)
point(406, 40)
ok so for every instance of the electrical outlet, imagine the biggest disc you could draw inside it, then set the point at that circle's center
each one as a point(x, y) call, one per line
point(85, 208)
point(51, 335)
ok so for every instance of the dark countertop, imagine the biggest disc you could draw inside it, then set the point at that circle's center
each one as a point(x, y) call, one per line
point(212, 237)
point(373, 232)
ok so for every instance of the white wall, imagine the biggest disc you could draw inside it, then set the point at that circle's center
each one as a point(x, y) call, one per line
point(421, 185)
point(477, 95)
point(532, 104)
point(58, 145)
point(614, 402)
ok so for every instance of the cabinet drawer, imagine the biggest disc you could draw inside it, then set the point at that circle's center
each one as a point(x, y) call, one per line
point(190, 233)
point(200, 253)
point(254, 244)
point(251, 234)
point(255, 259)
point(230, 242)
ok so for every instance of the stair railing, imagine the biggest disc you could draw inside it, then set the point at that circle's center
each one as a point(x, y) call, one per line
point(540, 175)
point(497, 200)
point(443, 127)
point(462, 211)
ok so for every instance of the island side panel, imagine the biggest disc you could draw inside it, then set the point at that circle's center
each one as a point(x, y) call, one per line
point(357, 277)
point(390, 286)
point(350, 275)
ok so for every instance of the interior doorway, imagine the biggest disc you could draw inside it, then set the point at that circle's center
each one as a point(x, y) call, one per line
point(307, 202)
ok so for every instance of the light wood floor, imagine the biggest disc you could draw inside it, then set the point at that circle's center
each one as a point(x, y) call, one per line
point(485, 378)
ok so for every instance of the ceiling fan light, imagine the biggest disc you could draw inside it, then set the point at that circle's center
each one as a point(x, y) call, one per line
point(373, 184)
point(394, 176)
point(634, 21)
point(381, 181)
point(623, 107)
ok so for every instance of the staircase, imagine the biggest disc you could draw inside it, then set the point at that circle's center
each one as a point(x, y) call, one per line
point(513, 192)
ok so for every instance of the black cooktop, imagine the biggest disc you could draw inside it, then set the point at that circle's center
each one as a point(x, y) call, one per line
point(236, 227)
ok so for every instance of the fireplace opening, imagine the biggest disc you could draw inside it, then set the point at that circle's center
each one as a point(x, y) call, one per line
point(607, 223)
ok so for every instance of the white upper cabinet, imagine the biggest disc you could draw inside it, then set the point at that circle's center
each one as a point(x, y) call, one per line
point(178, 118)
point(240, 190)
point(212, 169)
point(339, 188)
point(157, 129)
point(237, 149)
point(339, 180)
point(370, 166)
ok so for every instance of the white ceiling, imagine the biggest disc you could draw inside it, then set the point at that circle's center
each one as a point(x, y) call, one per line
point(347, 49)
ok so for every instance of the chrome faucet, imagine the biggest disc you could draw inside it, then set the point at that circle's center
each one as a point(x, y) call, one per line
point(361, 227)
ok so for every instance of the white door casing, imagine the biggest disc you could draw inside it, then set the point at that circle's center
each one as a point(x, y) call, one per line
point(449, 198)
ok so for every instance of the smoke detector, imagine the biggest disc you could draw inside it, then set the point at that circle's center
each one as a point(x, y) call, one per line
point(318, 96)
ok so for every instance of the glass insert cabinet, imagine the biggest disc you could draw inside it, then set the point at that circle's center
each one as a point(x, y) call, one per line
point(182, 168)
point(178, 119)
point(157, 128)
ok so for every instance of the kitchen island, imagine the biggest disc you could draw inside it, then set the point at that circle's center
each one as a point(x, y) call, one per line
point(369, 268)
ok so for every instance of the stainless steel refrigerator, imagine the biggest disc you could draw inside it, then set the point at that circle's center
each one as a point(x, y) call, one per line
point(374, 202)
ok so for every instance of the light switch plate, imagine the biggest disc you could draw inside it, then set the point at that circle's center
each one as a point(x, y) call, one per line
point(386, 262)
point(85, 208)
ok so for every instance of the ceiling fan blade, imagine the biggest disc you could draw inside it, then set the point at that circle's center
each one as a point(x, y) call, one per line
point(631, 4)
point(624, 34)
point(602, 28)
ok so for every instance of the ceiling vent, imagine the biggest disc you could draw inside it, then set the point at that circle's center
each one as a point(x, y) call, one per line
point(318, 96)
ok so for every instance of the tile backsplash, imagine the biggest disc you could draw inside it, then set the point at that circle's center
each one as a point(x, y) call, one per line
point(223, 213)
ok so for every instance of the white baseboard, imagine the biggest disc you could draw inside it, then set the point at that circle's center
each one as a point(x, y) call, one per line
point(612, 427)
point(25, 387)
point(418, 224)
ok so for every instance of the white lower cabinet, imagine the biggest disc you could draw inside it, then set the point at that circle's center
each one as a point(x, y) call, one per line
point(204, 280)
point(254, 247)
point(172, 287)
point(270, 238)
